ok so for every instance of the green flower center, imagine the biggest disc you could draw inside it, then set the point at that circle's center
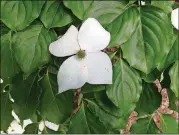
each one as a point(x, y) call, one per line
point(81, 54)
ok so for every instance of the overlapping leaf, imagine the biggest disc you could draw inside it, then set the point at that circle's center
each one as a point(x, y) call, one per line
point(26, 94)
point(151, 41)
point(6, 110)
point(9, 66)
point(104, 11)
point(19, 14)
point(31, 47)
point(54, 108)
point(55, 15)
point(149, 101)
point(126, 88)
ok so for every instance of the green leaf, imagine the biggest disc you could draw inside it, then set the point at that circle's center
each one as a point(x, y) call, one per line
point(106, 104)
point(151, 77)
point(169, 124)
point(83, 123)
point(151, 41)
point(166, 6)
point(126, 88)
point(123, 27)
point(172, 100)
point(62, 130)
point(112, 123)
point(26, 95)
point(149, 101)
point(92, 88)
point(104, 11)
point(31, 47)
point(8, 63)
point(54, 15)
point(145, 126)
point(31, 128)
point(54, 108)
point(19, 14)
point(172, 56)
point(174, 78)
point(6, 110)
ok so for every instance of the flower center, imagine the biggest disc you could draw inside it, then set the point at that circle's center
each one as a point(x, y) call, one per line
point(81, 54)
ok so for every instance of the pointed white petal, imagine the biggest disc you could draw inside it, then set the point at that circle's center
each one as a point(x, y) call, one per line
point(174, 18)
point(99, 68)
point(92, 36)
point(66, 45)
point(72, 74)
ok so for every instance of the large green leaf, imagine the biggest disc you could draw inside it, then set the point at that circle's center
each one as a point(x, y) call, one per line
point(151, 41)
point(31, 47)
point(54, 108)
point(104, 11)
point(145, 126)
point(172, 100)
point(8, 63)
point(150, 99)
point(54, 15)
point(123, 27)
point(31, 128)
point(169, 124)
point(174, 78)
point(26, 94)
point(126, 88)
point(86, 122)
point(165, 5)
point(6, 110)
point(173, 54)
point(19, 14)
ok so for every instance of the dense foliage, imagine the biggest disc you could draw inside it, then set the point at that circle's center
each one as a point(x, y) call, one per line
point(143, 48)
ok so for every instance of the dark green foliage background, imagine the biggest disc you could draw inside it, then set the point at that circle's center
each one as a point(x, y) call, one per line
point(148, 50)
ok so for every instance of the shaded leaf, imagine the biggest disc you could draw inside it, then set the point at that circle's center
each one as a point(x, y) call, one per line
point(151, 40)
point(104, 11)
point(31, 47)
point(145, 126)
point(8, 63)
point(31, 128)
point(54, 108)
point(92, 88)
point(151, 77)
point(172, 100)
point(169, 124)
point(126, 88)
point(19, 14)
point(174, 78)
point(4, 29)
point(54, 15)
point(6, 110)
point(149, 101)
point(106, 104)
point(26, 94)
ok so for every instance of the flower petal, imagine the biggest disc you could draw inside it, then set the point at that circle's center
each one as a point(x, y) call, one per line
point(174, 18)
point(99, 68)
point(67, 44)
point(92, 36)
point(72, 74)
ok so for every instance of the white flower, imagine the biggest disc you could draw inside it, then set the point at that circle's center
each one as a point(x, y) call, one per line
point(88, 63)
point(174, 18)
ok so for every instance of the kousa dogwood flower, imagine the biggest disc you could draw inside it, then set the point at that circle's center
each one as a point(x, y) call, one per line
point(87, 63)
point(174, 18)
